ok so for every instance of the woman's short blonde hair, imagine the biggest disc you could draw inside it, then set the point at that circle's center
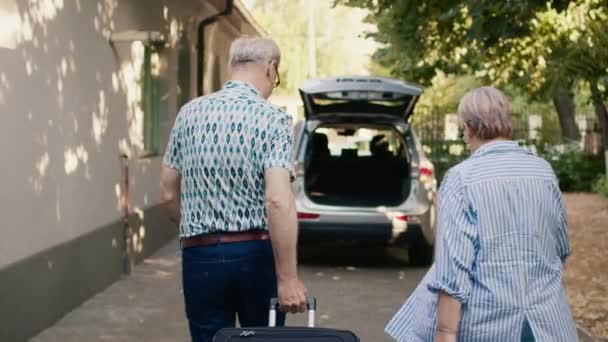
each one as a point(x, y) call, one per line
point(487, 112)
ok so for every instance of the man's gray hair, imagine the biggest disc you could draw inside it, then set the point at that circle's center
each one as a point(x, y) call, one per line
point(258, 50)
point(487, 112)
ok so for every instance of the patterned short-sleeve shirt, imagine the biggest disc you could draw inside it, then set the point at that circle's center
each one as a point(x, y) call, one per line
point(221, 144)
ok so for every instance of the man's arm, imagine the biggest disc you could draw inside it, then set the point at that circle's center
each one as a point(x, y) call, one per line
point(283, 227)
point(170, 184)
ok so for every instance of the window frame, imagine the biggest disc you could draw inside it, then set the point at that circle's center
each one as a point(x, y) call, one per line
point(150, 104)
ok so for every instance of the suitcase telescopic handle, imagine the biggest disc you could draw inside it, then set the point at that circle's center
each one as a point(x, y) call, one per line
point(311, 307)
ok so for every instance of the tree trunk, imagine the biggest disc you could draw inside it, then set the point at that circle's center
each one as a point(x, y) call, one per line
point(602, 117)
point(600, 112)
point(564, 105)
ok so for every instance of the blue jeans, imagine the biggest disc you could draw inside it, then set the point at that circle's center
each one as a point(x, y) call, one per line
point(224, 281)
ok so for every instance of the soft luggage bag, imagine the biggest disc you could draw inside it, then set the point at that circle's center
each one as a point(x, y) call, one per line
point(286, 334)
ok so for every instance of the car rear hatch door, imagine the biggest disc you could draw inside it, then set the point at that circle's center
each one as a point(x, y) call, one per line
point(363, 95)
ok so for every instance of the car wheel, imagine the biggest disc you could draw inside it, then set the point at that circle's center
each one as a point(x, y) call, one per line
point(420, 251)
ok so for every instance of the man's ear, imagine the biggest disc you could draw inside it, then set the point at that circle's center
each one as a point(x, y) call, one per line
point(268, 70)
point(273, 66)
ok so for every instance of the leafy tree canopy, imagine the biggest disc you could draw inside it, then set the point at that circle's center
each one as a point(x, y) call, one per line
point(537, 43)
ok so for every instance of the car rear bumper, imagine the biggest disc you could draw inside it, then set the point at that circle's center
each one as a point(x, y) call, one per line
point(316, 231)
point(385, 233)
point(380, 224)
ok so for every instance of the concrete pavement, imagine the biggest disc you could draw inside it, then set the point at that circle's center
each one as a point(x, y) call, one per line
point(358, 287)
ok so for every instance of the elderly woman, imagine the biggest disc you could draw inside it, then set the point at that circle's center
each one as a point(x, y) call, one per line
point(502, 241)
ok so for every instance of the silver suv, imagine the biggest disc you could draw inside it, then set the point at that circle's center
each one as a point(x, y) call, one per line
point(360, 171)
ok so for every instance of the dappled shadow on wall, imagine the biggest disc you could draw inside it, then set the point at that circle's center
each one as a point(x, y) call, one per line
point(60, 95)
point(72, 108)
point(78, 103)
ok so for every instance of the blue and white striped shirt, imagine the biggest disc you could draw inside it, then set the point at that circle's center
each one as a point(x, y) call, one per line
point(501, 243)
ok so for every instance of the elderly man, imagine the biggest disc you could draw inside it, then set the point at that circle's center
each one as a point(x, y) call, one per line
point(226, 182)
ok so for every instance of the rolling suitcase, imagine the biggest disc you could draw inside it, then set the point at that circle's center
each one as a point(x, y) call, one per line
point(287, 334)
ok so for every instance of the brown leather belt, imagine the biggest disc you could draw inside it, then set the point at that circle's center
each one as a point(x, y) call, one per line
point(219, 238)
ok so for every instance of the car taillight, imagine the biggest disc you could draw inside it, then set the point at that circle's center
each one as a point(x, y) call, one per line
point(403, 218)
point(426, 175)
point(308, 216)
point(425, 171)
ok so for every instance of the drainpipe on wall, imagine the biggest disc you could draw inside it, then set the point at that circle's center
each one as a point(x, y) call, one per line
point(127, 257)
point(200, 52)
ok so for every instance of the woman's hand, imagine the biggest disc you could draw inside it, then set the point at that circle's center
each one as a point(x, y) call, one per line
point(448, 318)
point(445, 337)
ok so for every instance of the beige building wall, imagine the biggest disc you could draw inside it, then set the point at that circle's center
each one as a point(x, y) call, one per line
point(70, 102)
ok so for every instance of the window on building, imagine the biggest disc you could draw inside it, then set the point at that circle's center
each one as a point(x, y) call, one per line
point(183, 73)
point(150, 73)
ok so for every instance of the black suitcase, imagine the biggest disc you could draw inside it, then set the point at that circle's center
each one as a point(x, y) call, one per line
point(287, 334)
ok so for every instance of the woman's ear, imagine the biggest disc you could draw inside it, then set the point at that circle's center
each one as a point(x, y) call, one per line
point(466, 132)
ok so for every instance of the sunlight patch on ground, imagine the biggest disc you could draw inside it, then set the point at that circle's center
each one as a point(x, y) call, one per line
point(165, 262)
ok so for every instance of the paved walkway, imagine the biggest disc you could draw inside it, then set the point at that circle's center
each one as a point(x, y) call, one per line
point(146, 306)
point(358, 288)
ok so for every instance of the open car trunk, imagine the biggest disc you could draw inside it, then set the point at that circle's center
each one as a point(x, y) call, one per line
point(357, 166)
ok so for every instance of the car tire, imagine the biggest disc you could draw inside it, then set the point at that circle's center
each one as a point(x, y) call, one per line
point(420, 251)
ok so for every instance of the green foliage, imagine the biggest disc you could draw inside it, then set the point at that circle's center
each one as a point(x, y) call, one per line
point(443, 155)
point(574, 170)
point(544, 47)
point(523, 105)
point(376, 69)
point(601, 186)
point(560, 47)
point(414, 32)
point(539, 44)
point(444, 94)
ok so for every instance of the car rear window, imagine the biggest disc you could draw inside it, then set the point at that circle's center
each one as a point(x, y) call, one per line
point(362, 141)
